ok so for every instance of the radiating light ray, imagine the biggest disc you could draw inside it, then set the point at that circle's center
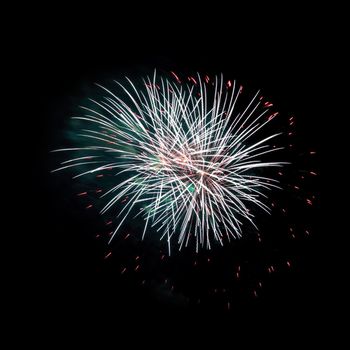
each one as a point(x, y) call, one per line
point(189, 153)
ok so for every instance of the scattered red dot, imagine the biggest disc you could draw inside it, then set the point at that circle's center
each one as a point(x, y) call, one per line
point(176, 77)
point(308, 201)
point(193, 79)
point(82, 194)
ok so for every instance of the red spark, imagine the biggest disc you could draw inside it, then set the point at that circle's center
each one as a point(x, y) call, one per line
point(297, 188)
point(228, 305)
point(124, 269)
point(109, 222)
point(82, 194)
point(268, 104)
point(137, 257)
point(98, 191)
point(137, 267)
point(206, 79)
point(272, 115)
point(229, 84)
point(108, 255)
point(194, 80)
point(176, 77)
point(255, 294)
point(312, 152)
point(89, 206)
point(100, 175)
point(313, 173)
point(288, 263)
point(127, 236)
point(308, 201)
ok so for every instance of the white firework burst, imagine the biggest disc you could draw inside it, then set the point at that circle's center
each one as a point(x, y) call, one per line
point(185, 156)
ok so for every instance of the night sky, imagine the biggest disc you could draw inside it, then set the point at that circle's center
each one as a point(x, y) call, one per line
point(67, 272)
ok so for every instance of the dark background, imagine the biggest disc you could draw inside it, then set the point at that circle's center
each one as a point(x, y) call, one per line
point(62, 274)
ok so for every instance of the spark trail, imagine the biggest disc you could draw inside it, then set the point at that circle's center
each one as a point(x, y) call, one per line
point(186, 156)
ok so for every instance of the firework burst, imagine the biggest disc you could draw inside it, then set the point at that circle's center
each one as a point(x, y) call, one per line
point(188, 157)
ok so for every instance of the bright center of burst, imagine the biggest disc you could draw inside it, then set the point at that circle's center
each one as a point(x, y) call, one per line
point(188, 168)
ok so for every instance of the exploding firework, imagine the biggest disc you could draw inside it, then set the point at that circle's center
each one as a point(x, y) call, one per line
point(187, 157)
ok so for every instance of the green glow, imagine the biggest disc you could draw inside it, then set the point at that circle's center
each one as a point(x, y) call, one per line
point(191, 188)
